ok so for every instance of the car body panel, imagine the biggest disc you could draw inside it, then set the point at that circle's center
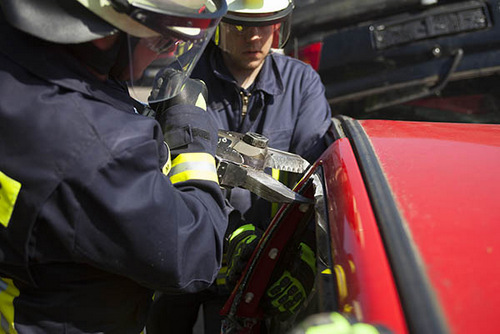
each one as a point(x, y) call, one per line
point(444, 180)
point(412, 228)
point(365, 283)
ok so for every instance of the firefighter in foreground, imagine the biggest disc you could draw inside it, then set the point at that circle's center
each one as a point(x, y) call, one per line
point(252, 88)
point(96, 211)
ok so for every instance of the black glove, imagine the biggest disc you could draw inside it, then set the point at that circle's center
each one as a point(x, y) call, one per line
point(184, 125)
point(242, 243)
point(193, 91)
point(288, 292)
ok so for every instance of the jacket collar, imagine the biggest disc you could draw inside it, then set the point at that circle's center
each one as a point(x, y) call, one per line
point(269, 79)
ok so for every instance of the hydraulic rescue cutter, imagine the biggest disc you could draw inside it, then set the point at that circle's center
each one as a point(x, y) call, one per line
point(243, 160)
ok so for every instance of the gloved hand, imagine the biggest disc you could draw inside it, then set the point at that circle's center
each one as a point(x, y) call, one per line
point(242, 243)
point(193, 91)
point(183, 124)
point(288, 292)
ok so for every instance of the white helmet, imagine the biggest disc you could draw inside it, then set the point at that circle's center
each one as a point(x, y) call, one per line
point(177, 30)
point(262, 13)
point(71, 22)
point(257, 6)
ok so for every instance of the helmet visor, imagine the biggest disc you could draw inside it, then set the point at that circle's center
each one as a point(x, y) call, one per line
point(195, 15)
point(180, 55)
point(282, 17)
point(183, 28)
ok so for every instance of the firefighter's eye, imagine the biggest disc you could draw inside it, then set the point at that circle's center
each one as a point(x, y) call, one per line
point(160, 44)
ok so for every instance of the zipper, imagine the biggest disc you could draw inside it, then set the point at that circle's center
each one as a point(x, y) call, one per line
point(245, 98)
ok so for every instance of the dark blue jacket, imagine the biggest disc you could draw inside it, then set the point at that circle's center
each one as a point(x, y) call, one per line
point(89, 224)
point(287, 105)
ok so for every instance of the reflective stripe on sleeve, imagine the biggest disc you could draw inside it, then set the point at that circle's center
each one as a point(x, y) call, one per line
point(9, 190)
point(193, 166)
point(8, 292)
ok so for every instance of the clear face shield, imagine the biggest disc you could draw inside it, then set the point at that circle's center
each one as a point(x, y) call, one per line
point(279, 22)
point(176, 45)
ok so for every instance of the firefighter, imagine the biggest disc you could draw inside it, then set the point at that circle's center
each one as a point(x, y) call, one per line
point(96, 210)
point(253, 87)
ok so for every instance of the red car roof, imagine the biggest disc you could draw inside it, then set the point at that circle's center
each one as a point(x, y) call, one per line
point(446, 183)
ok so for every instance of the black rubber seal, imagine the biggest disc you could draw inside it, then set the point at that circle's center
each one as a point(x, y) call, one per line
point(422, 312)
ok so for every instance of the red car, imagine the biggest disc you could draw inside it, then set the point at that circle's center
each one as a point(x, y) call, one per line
point(405, 210)
point(407, 227)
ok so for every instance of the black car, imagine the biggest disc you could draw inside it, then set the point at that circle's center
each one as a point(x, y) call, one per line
point(411, 60)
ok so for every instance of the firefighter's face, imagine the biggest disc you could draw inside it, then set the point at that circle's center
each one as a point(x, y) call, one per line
point(246, 47)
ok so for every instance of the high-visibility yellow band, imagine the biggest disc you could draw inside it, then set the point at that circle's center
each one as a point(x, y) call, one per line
point(193, 157)
point(194, 175)
point(9, 190)
point(193, 166)
point(190, 166)
point(8, 292)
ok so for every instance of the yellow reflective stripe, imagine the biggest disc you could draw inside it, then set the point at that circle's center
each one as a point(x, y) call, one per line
point(193, 166)
point(8, 292)
point(275, 173)
point(194, 175)
point(193, 157)
point(9, 190)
